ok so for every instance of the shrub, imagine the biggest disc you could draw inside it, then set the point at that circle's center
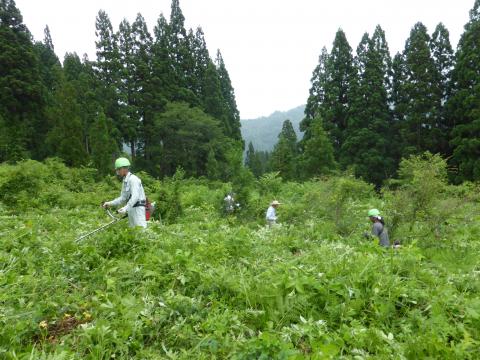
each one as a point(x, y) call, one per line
point(345, 202)
point(418, 197)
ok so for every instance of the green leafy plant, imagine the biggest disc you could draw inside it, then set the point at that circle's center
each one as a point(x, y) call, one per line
point(201, 286)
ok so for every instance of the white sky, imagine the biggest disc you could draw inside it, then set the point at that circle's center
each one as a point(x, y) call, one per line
point(270, 46)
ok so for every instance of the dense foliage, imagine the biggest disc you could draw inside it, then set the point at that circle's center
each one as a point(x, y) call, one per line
point(198, 285)
point(138, 93)
point(87, 112)
point(377, 110)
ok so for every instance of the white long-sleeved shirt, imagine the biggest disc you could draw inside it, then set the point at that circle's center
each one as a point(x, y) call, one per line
point(271, 214)
point(132, 191)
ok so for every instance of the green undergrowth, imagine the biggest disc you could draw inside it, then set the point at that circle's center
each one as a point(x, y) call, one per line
point(198, 285)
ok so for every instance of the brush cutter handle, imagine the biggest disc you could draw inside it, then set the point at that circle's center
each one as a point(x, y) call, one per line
point(116, 217)
point(111, 215)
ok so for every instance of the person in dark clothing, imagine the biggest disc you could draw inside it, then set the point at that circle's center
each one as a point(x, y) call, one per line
point(378, 229)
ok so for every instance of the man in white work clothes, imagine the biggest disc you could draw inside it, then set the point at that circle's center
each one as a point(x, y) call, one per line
point(132, 195)
point(271, 216)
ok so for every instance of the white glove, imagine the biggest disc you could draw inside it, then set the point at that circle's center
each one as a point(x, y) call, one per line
point(106, 204)
point(122, 211)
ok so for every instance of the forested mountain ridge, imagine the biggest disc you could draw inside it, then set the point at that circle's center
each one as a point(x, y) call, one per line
point(263, 132)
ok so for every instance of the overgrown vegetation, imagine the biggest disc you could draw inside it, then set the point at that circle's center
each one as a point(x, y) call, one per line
point(198, 285)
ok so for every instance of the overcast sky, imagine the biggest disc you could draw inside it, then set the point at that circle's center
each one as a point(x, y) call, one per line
point(270, 46)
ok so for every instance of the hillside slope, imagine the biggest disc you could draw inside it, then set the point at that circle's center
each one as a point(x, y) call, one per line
point(201, 285)
point(263, 132)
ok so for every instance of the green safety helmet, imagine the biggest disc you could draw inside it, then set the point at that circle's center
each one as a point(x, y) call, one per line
point(121, 162)
point(373, 213)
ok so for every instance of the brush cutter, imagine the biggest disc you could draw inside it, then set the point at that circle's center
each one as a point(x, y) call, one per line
point(114, 220)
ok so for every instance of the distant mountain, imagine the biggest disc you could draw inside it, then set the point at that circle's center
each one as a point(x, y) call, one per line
point(263, 132)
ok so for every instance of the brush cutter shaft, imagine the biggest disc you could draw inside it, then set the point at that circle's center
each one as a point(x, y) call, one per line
point(115, 219)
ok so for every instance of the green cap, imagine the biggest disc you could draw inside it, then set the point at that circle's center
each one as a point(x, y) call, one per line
point(373, 213)
point(122, 162)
